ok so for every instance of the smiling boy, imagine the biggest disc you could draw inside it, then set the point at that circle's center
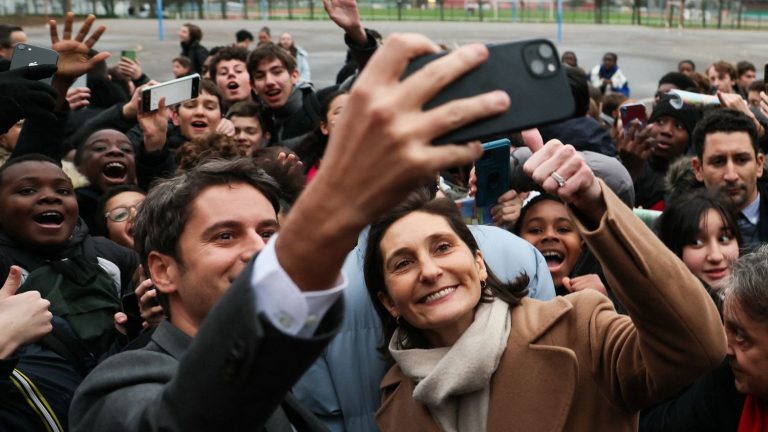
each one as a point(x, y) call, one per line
point(106, 160)
point(41, 233)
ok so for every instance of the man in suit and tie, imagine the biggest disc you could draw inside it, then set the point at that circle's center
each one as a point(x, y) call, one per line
point(729, 161)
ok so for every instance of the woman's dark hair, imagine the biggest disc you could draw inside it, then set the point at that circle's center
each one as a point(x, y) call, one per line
point(678, 226)
point(312, 147)
point(195, 32)
point(421, 201)
point(108, 195)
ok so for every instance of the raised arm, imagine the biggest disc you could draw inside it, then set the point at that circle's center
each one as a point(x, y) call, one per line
point(384, 150)
point(674, 334)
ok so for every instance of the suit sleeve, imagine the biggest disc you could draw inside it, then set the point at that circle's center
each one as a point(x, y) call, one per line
point(674, 334)
point(235, 373)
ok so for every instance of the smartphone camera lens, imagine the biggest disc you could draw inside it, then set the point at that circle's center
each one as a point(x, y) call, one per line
point(22, 46)
point(537, 67)
point(545, 51)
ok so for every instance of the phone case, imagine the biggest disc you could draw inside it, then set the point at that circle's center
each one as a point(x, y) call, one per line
point(529, 71)
point(492, 171)
point(29, 55)
point(632, 112)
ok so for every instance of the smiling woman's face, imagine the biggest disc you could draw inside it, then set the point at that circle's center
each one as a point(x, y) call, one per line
point(713, 251)
point(432, 277)
point(549, 228)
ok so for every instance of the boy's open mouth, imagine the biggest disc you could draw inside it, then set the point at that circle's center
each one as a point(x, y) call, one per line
point(115, 171)
point(49, 218)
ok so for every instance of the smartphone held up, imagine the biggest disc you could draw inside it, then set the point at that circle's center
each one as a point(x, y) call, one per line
point(633, 113)
point(174, 91)
point(25, 55)
point(529, 71)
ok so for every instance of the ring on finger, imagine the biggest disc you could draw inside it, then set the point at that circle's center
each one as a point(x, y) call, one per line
point(558, 178)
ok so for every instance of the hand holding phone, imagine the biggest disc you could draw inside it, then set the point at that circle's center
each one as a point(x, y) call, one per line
point(129, 54)
point(633, 112)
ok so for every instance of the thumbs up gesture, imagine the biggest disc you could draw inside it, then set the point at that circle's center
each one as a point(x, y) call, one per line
point(24, 318)
point(560, 170)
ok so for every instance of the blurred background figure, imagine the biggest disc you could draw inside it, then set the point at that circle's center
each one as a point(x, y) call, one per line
point(288, 44)
point(265, 36)
point(10, 36)
point(181, 66)
point(243, 39)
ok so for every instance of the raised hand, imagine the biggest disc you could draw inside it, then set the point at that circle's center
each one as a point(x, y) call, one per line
point(130, 68)
point(151, 311)
point(560, 170)
point(290, 163)
point(73, 53)
point(132, 108)
point(734, 101)
point(635, 146)
point(78, 97)
point(382, 150)
point(345, 14)
point(153, 124)
point(226, 127)
point(506, 213)
point(24, 318)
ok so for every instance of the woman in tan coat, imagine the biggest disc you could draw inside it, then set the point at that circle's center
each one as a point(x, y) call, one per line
point(472, 354)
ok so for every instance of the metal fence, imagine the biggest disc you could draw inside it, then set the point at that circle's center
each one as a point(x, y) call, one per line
point(730, 14)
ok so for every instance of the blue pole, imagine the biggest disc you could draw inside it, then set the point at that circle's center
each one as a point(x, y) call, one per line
point(160, 19)
point(559, 21)
point(264, 9)
point(514, 10)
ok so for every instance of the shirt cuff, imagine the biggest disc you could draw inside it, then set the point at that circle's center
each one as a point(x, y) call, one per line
point(288, 308)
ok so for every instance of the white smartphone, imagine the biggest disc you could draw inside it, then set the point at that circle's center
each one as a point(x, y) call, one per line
point(174, 91)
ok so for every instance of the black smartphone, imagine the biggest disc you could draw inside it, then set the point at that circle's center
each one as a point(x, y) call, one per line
point(492, 171)
point(135, 323)
point(174, 91)
point(131, 54)
point(30, 55)
point(529, 71)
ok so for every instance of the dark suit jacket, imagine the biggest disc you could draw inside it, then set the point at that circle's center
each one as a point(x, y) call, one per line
point(762, 223)
point(234, 375)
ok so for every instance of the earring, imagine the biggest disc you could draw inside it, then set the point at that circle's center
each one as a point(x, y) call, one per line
point(483, 284)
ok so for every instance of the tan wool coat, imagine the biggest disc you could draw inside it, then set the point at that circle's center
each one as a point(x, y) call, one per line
point(573, 363)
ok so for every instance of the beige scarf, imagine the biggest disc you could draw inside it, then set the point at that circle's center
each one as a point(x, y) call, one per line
point(454, 382)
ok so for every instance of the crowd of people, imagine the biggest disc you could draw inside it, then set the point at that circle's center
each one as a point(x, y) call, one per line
point(272, 256)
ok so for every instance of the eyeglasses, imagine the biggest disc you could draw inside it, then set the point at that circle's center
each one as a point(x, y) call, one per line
point(122, 213)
